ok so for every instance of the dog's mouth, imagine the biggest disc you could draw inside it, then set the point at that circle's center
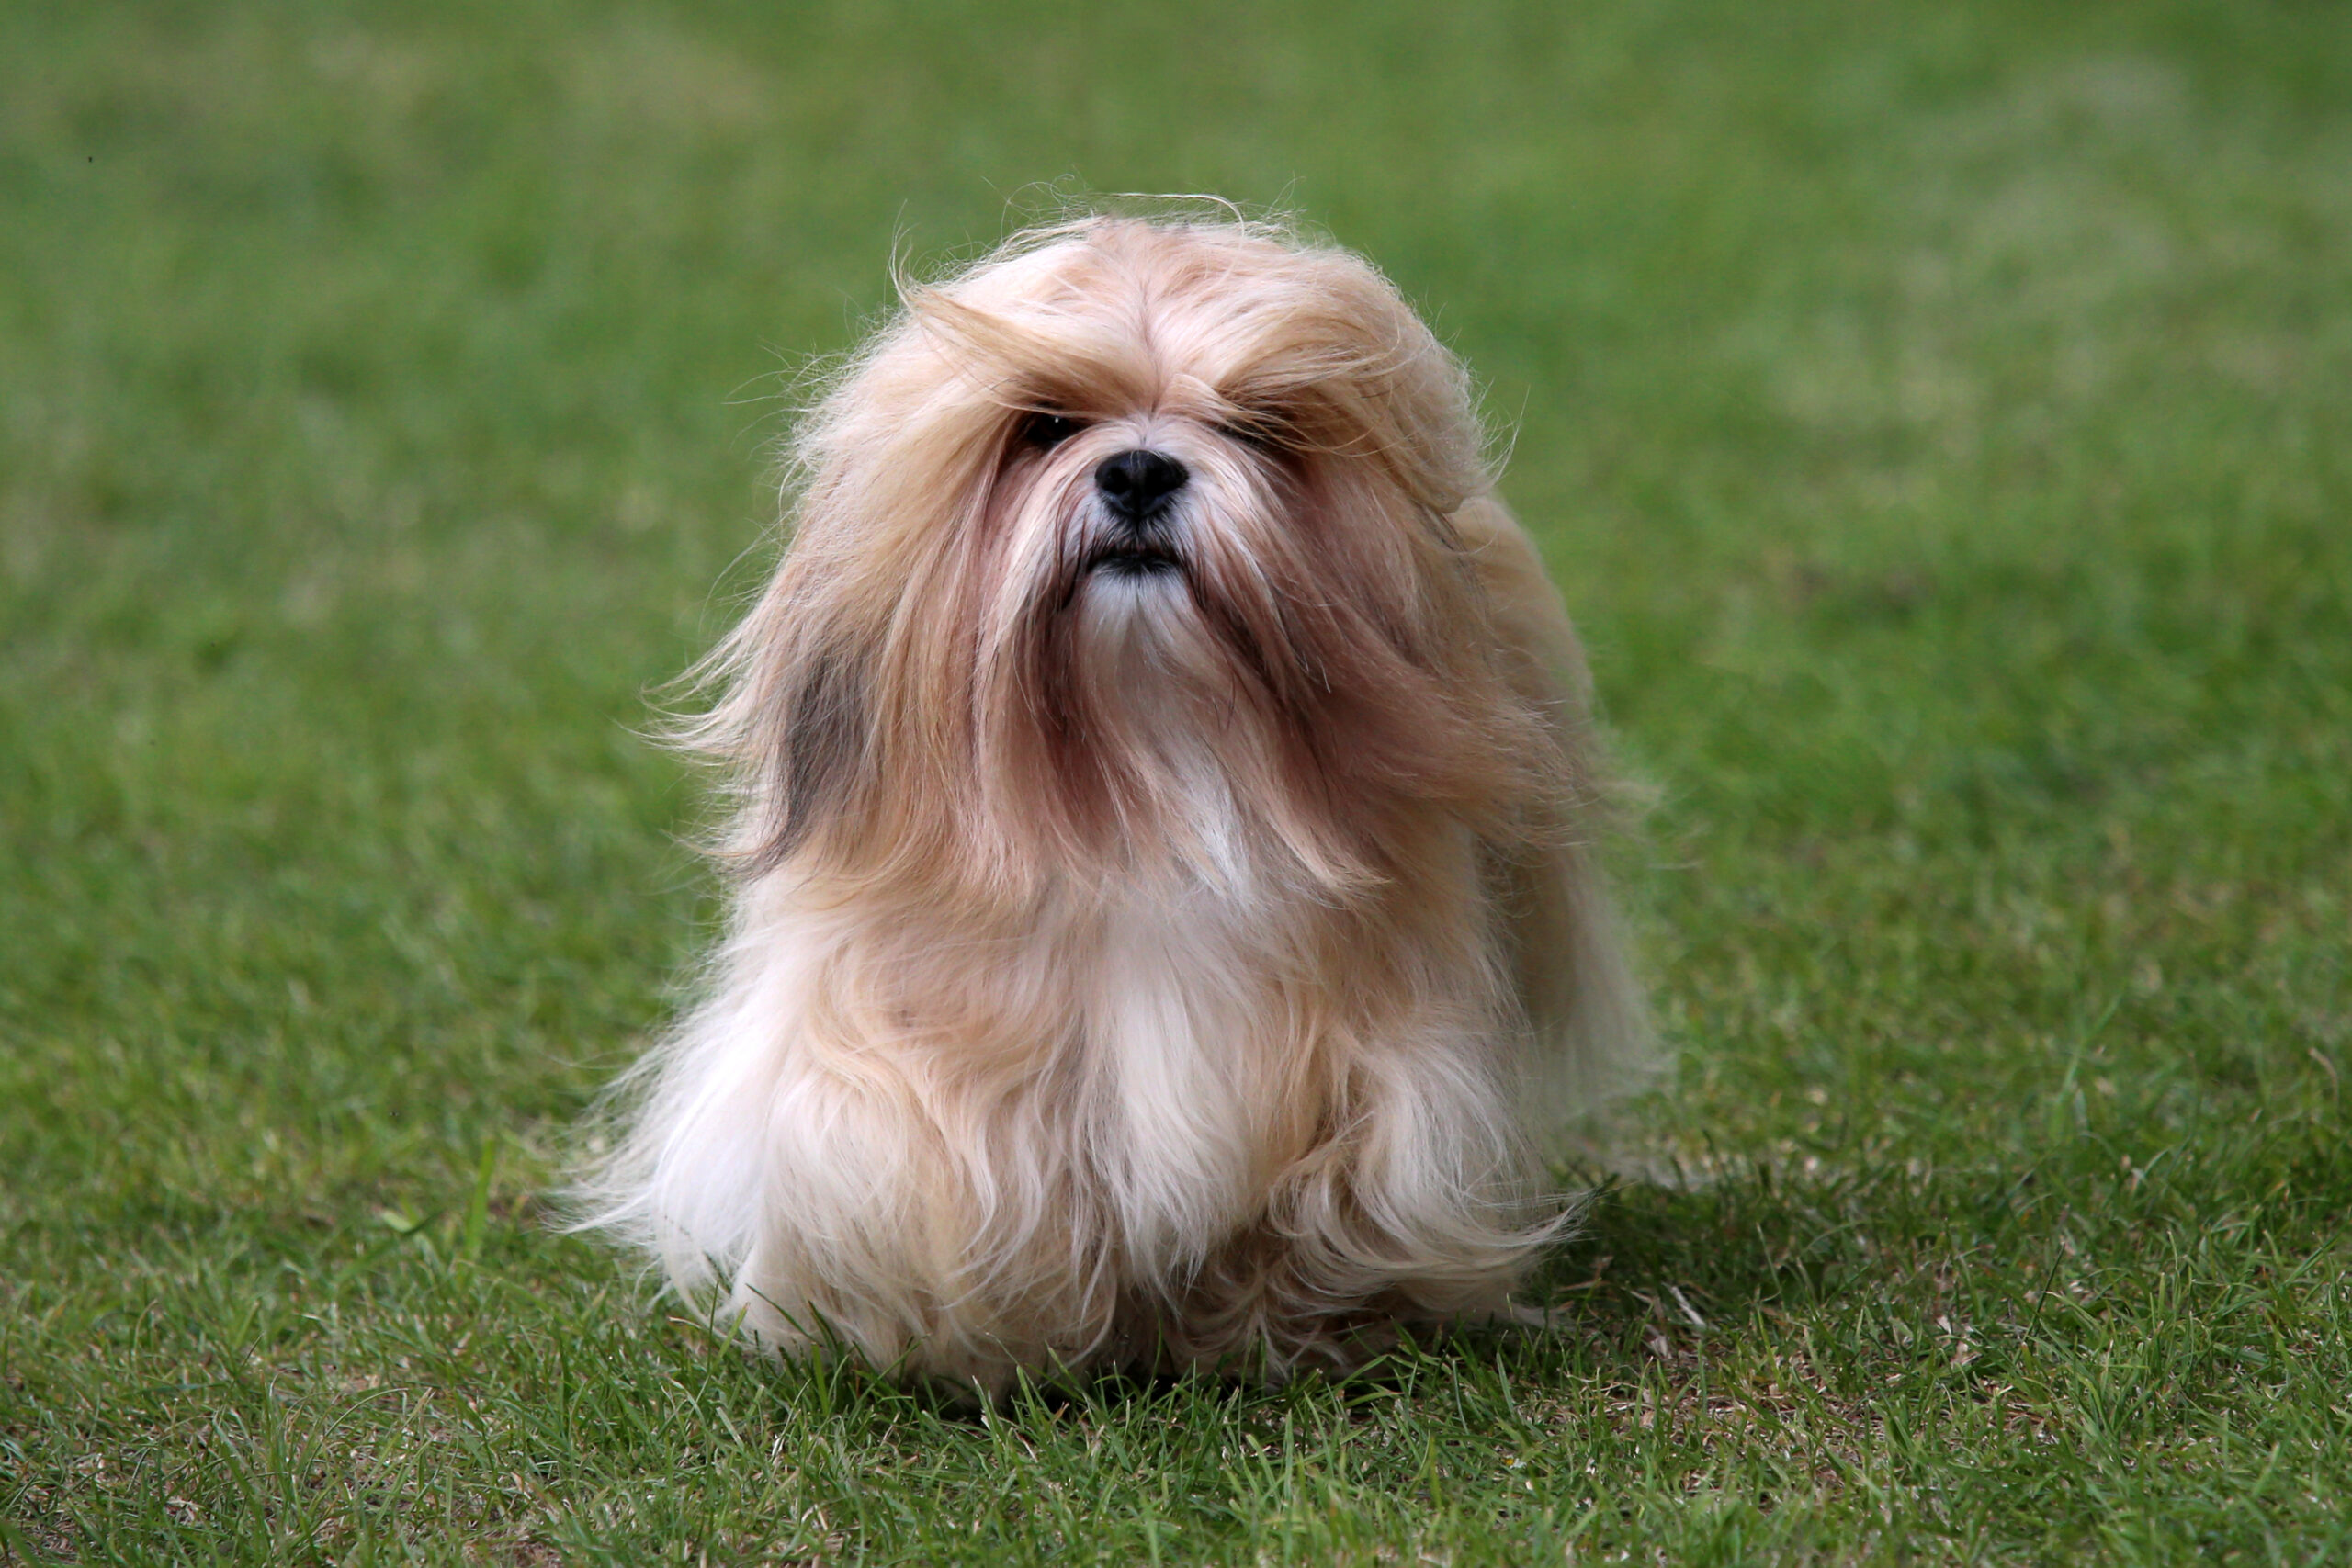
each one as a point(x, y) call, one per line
point(1135, 560)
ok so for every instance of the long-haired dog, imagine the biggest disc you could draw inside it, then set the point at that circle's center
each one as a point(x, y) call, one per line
point(1165, 924)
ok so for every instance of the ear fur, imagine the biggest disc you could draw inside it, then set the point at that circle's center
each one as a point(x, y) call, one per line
point(822, 752)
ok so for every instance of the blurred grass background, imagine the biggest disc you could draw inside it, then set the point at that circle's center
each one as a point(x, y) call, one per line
point(1937, 419)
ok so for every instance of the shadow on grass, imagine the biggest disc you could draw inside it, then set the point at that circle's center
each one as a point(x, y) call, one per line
point(1651, 1269)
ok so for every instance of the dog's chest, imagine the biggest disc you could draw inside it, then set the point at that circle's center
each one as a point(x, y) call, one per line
point(1195, 1053)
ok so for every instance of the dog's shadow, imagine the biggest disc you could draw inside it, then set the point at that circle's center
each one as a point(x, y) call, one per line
point(1657, 1266)
point(1655, 1273)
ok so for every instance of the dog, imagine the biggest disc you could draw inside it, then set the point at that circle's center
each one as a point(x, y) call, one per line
point(1165, 930)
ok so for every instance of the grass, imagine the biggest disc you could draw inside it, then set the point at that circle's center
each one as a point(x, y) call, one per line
point(1939, 418)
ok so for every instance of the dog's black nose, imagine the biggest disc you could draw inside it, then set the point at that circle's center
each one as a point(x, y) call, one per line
point(1134, 483)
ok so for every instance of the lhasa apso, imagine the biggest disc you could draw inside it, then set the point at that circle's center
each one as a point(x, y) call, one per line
point(1165, 924)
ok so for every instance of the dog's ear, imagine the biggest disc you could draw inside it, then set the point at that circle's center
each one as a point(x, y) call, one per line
point(816, 753)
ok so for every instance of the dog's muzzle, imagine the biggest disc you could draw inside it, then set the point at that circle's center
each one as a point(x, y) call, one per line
point(1138, 490)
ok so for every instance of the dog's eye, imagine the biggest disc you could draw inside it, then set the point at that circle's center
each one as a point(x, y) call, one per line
point(1047, 431)
point(1259, 435)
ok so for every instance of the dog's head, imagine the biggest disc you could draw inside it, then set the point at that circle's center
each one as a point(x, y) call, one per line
point(1128, 547)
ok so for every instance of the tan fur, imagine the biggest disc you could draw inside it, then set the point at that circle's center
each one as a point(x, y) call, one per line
point(1173, 969)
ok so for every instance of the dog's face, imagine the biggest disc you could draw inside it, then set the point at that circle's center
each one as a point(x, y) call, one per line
point(1127, 549)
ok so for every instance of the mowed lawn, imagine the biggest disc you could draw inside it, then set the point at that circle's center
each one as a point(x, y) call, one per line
point(1939, 418)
